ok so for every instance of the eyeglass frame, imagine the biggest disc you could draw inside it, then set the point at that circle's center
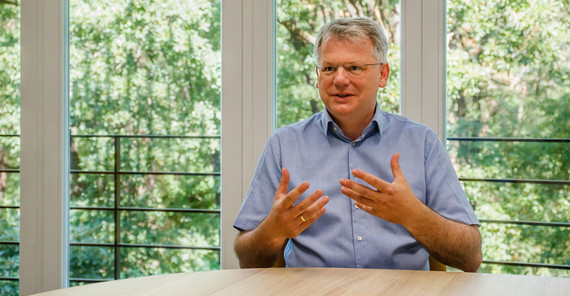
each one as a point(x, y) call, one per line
point(364, 67)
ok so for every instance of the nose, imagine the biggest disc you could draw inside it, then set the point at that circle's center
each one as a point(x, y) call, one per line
point(341, 77)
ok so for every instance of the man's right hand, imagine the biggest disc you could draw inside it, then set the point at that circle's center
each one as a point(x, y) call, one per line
point(287, 220)
point(261, 246)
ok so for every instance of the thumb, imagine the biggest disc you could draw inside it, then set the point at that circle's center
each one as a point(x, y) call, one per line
point(395, 164)
point(282, 189)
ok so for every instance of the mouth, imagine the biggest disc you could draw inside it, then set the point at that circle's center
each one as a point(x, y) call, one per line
point(342, 95)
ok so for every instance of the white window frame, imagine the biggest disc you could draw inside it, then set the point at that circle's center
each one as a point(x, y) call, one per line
point(248, 92)
point(44, 159)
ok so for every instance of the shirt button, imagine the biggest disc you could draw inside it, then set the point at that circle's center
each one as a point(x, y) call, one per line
point(359, 238)
point(353, 144)
point(356, 207)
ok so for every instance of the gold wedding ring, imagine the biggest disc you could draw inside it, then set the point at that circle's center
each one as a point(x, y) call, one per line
point(303, 219)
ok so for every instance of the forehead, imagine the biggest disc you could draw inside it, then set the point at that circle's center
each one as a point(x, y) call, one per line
point(344, 50)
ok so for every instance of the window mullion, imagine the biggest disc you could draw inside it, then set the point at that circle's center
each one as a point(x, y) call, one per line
point(248, 83)
point(423, 63)
point(43, 224)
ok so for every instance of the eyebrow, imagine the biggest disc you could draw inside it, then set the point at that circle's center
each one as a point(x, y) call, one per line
point(345, 63)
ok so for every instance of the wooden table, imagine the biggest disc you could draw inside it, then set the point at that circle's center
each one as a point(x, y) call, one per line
point(325, 281)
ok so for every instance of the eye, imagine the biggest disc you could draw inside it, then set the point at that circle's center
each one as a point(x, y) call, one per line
point(329, 69)
point(354, 68)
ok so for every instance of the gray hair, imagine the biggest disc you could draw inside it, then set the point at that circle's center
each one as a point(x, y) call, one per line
point(354, 29)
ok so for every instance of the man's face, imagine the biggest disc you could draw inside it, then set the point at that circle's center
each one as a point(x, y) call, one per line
point(350, 98)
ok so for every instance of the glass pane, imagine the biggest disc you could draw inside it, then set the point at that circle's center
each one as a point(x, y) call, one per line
point(525, 243)
point(144, 262)
point(145, 67)
point(508, 69)
point(92, 154)
point(507, 77)
point(511, 160)
point(91, 226)
point(10, 225)
point(9, 145)
point(9, 288)
point(196, 155)
point(9, 261)
point(540, 271)
point(145, 77)
point(10, 71)
point(171, 228)
point(91, 262)
point(92, 190)
point(170, 191)
point(9, 189)
point(9, 148)
point(519, 201)
point(298, 22)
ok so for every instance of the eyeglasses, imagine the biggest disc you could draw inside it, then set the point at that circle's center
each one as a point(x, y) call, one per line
point(353, 70)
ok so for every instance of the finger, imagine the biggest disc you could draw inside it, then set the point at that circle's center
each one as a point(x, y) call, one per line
point(315, 211)
point(282, 189)
point(294, 194)
point(307, 202)
point(368, 209)
point(395, 164)
point(372, 180)
point(358, 197)
point(314, 208)
point(358, 188)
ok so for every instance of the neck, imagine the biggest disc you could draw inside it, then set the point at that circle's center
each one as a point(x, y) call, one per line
point(353, 128)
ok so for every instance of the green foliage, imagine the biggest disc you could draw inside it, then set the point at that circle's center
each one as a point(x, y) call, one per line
point(507, 76)
point(9, 288)
point(10, 71)
point(92, 262)
point(167, 261)
point(143, 67)
point(9, 144)
point(179, 229)
point(10, 264)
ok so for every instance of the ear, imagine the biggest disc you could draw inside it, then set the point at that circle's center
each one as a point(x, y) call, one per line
point(384, 74)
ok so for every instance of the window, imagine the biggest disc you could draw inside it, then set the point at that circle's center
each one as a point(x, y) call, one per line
point(508, 123)
point(298, 23)
point(145, 119)
point(9, 147)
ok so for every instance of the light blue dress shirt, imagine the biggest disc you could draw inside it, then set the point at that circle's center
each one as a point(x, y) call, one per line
point(315, 150)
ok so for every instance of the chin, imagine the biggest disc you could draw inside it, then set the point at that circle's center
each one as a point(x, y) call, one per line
point(337, 111)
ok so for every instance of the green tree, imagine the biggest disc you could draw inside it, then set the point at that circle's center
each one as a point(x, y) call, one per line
point(508, 69)
point(139, 68)
point(9, 144)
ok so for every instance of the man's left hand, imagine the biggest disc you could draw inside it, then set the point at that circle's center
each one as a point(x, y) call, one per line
point(394, 202)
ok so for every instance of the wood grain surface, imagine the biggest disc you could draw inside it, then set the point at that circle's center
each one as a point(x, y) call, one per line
point(325, 281)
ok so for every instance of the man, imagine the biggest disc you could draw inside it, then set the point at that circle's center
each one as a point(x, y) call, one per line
point(385, 193)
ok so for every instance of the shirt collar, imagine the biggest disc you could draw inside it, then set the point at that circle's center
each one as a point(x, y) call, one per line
point(375, 125)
